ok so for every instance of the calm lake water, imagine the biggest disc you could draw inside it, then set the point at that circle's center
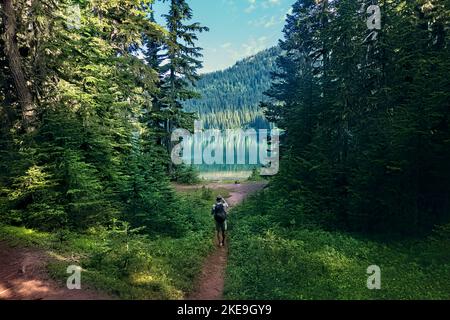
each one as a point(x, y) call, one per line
point(226, 155)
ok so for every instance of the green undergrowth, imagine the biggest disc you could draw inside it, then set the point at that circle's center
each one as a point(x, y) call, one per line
point(271, 262)
point(123, 263)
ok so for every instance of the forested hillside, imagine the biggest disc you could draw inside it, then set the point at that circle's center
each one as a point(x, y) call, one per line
point(230, 98)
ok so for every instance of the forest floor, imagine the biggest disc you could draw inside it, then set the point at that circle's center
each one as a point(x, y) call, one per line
point(24, 273)
point(210, 283)
point(23, 276)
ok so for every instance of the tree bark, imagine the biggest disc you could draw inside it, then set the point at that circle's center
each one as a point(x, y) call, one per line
point(12, 54)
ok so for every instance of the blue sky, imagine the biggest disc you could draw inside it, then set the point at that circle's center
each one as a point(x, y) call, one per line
point(238, 28)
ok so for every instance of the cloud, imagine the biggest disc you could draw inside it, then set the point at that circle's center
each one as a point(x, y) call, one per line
point(265, 4)
point(229, 53)
point(271, 22)
point(259, 23)
point(250, 8)
point(268, 21)
point(271, 3)
point(252, 47)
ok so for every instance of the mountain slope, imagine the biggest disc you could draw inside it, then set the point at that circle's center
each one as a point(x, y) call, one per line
point(230, 98)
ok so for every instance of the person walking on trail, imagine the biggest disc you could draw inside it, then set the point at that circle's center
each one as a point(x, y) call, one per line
point(219, 211)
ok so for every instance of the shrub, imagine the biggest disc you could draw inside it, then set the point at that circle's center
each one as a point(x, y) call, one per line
point(185, 175)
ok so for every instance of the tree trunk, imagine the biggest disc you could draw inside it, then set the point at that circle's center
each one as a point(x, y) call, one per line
point(15, 65)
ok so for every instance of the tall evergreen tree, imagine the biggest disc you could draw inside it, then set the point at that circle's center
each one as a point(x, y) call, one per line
point(366, 130)
point(180, 62)
point(84, 164)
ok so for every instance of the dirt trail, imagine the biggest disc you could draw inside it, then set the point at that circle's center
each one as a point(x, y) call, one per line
point(23, 276)
point(210, 284)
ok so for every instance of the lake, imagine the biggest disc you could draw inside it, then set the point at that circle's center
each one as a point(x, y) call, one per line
point(226, 154)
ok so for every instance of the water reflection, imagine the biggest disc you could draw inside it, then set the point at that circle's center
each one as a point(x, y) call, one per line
point(230, 154)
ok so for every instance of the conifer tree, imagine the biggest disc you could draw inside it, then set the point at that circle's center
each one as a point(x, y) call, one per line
point(364, 116)
point(181, 63)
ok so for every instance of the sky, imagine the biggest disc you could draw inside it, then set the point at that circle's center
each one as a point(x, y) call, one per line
point(238, 28)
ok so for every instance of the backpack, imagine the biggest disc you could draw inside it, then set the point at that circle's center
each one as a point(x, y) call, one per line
point(219, 212)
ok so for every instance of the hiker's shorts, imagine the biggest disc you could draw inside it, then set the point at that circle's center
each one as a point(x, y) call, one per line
point(221, 226)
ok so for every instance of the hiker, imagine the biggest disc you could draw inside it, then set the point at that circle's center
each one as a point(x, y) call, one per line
point(219, 211)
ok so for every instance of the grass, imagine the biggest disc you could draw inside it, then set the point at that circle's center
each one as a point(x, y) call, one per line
point(270, 262)
point(131, 267)
point(205, 193)
point(166, 269)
